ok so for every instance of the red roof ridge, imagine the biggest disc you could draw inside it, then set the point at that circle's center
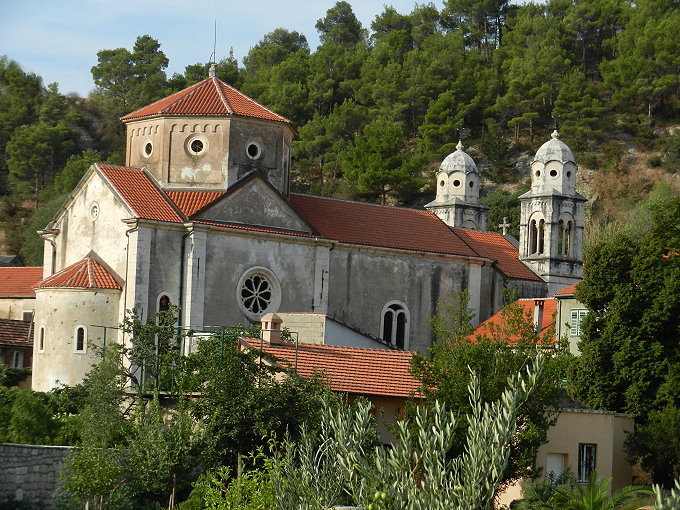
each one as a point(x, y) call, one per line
point(381, 206)
point(220, 93)
point(234, 89)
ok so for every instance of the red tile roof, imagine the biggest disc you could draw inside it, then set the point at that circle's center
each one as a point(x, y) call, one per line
point(19, 281)
point(85, 274)
point(378, 225)
point(16, 333)
point(139, 191)
point(569, 291)
point(190, 202)
point(208, 97)
point(379, 372)
point(498, 320)
point(494, 246)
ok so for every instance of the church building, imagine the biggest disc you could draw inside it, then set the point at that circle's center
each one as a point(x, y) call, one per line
point(201, 216)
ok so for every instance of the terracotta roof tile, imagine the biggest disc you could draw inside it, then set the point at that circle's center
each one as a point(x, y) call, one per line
point(190, 202)
point(208, 97)
point(353, 370)
point(494, 246)
point(377, 225)
point(140, 193)
point(19, 281)
point(84, 274)
point(568, 291)
point(16, 333)
point(527, 305)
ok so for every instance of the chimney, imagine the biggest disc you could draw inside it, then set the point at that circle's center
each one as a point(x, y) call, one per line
point(538, 314)
point(271, 328)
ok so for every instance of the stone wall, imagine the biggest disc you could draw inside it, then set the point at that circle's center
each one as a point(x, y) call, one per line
point(29, 472)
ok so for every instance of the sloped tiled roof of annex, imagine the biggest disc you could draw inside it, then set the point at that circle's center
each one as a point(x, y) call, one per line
point(16, 333)
point(19, 281)
point(527, 305)
point(567, 291)
point(189, 201)
point(379, 225)
point(140, 192)
point(356, 370)
point(494, 246)
point(207, 97)
point(84, 274)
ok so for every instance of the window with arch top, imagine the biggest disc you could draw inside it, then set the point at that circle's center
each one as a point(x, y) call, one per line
point(394, 324)
point(80, 339)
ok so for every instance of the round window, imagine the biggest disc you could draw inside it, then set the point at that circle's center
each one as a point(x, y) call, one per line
point(456, 183)
point(568, 175)
point(538, 173)
point(472, 184)
point(553, 173)
point(442, 183)
point(94, 211)
point(253, 150)
point(259, 293)
point(148, 149)
point(196, 146)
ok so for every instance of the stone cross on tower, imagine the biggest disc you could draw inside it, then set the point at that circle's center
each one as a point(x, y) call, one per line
point(505, 225)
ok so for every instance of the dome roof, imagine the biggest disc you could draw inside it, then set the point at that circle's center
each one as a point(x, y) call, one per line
point(458, 161)
point(554, 150)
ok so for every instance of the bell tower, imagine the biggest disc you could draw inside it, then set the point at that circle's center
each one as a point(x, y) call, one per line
point(552, 216)
point(457, 201)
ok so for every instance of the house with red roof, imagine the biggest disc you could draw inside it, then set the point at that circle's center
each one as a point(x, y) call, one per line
point(17, 297)
point(202, 216)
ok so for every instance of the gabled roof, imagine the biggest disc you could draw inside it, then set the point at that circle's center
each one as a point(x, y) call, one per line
point(19, 281)
point(140, 193)
point(378, 372)
point(527, 305)
point(379, 225)
point(207, 97)
point(16, 333)
point(84, 274)
point(494, 246)
point(568, 291)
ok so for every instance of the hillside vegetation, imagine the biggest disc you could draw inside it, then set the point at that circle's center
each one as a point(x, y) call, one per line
point(377, 108)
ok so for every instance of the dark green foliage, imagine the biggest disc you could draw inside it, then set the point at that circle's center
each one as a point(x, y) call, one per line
point(444, 374)
point(496, 148)
point(629, 343)
point(379, 163)
point(503, 205)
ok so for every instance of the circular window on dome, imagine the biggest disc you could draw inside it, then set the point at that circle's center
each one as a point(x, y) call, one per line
point(568, 175)
point(253, 150)
point(196, 145)
point(472, 184)
point(538, 173)
point(553, 173)
point(456, 183)
point(147, 150)
point(259, 293)
point(94, 211)
point(442, 183)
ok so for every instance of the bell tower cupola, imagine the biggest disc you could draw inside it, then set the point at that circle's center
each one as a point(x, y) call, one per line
point(552, 217)
point(457, 200)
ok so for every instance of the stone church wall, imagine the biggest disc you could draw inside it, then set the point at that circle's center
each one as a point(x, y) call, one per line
point(357, 296)
point(30, 473)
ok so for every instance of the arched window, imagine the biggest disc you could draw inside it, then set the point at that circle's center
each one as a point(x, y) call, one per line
point(541, 236)
point(394, 324)
point(41, 342)
point(567, 239)
point(80, 339)
point(533, 237)
point(164, 303)
point(564, 229)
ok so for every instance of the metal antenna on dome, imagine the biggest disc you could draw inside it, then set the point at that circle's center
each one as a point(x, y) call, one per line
point(213, 55)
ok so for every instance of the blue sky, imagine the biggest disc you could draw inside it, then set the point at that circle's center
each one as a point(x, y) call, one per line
point(59, 39)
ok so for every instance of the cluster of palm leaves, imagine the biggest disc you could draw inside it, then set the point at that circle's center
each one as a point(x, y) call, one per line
point(594, 495)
